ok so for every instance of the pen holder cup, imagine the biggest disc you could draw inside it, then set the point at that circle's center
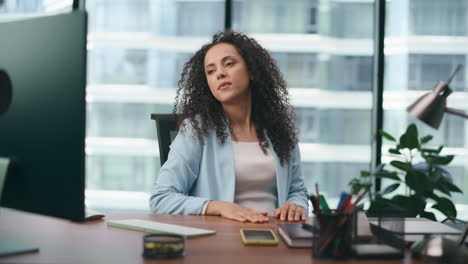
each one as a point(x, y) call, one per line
point(333, 237)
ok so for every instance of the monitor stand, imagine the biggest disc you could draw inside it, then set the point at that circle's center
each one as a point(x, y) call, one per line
point(91, 215)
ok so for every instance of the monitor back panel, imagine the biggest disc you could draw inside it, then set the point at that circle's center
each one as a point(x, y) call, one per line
point(43, 131)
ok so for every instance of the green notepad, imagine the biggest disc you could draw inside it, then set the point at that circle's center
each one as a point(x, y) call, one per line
point(160, 228)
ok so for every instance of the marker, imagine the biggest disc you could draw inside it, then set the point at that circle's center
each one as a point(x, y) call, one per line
point(323, 203)
point(343, 196)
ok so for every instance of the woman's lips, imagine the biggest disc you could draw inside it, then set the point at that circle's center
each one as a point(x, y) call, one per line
point(224, 85)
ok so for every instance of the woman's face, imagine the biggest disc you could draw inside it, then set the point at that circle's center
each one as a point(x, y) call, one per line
point(226, 73)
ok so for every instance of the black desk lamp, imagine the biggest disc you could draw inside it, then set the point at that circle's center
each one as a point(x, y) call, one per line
point(430, 107)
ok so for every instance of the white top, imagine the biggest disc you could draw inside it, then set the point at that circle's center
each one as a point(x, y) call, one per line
point(255, 178)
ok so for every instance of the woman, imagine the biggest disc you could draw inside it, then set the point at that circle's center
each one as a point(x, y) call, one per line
point(236, 152)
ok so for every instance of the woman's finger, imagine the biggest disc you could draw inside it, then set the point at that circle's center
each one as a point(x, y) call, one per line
point(277, 212)
point(284, 211)
point(291, 212)
point(298, 215)
point(304, 216)
point(240, 219)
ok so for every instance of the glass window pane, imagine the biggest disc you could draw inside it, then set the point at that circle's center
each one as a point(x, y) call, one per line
point(136, 52)
point(422, 48)
point(324, 50)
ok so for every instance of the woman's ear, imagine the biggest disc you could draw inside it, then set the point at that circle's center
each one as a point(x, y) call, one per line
point(251, 76)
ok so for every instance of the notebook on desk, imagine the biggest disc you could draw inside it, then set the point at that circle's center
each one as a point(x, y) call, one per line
point(160, 228)
point(294, 235)
point(416, 228)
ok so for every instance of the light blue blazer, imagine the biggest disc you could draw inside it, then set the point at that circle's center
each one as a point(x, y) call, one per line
point(196, 173)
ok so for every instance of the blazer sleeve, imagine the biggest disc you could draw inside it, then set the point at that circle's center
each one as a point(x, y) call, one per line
point(297, 191)
point(170, 193)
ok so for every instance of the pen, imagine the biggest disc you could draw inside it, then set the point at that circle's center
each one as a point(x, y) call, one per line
point(346, 202)
point(323, 203)
point(343, 196)
point(315, 203)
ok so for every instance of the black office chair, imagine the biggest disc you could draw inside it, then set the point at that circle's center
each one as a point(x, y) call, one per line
point(166, 125)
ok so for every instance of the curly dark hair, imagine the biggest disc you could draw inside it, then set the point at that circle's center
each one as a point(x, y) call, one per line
point(271, 111)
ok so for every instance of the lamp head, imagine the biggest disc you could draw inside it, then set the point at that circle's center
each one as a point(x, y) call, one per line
point(430, 107)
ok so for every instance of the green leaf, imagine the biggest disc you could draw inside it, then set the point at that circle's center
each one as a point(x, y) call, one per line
point(443, 189)
point(433, 158)
point(450, 186)
point(410, 138)
point(378, 204)
point(428, 150)
point(413, 204)
point(433, 196)
point(355, 185)
point(440, 149)
point(426, 139)
point(365, 174)
point(388, 174)
point(443, 160)
point(394, 151)
point(405, 166)
point(380, 167)
point(446, 207)
point(390, 188)
point(418, 181)
point(428, 215)
point(435, 176)
point(386, 135)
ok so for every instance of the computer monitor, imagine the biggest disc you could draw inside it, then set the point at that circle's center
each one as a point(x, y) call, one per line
point(42, 127)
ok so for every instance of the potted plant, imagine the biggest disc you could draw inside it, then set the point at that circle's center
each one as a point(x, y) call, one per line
point(423, 181)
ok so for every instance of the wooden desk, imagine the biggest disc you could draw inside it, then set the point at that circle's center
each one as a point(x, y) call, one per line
point(61, 241)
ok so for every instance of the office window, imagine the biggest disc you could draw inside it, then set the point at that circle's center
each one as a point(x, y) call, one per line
point(426, 70)
point(21, 7)
point(188, 17)
point(351, 73)
point(107, 16)
point(324, 50)
point(346, 19)
point(118, 66)
point(331, 186)
point(266, 16)
point(137, 49)
point(438, 18)
point(300, 70)
point(308, 120)
point(112, 172)
point(422, 47)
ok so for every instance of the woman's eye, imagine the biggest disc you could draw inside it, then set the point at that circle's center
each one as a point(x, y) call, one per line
point(229, 63)
point(210, 72)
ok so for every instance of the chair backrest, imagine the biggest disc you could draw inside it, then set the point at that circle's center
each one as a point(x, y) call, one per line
point(166, 125)
point(4, 164)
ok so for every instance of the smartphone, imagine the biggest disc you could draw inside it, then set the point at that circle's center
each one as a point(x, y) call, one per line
point(258, 236)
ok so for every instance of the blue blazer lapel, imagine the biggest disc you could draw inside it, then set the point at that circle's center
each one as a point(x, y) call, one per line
point(281, 177)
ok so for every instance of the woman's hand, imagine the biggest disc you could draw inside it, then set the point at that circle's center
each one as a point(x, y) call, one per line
point(236, 212)
point(291, 212)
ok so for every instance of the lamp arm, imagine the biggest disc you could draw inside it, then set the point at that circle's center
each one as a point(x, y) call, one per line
point(456, 112)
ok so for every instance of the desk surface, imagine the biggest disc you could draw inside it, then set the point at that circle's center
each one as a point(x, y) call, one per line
point(61, 241)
